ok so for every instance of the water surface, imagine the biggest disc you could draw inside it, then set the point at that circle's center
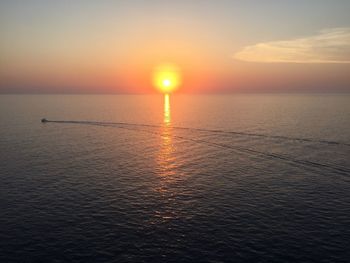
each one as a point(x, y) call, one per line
point(184, 179)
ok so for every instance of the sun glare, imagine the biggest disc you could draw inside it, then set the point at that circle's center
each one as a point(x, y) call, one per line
point(166, 83)
point(167, 78)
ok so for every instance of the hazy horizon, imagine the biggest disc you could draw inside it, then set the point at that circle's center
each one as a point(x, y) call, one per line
point(174, 131)
point(219, 46)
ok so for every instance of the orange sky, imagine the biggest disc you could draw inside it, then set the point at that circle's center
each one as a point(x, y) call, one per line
point(90, 47)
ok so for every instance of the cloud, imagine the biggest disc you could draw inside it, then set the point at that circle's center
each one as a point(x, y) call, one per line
point(328, 46)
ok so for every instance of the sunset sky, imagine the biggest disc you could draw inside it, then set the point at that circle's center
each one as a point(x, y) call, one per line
point(219, 46)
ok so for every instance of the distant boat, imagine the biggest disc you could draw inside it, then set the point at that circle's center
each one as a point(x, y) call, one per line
point(43, 120)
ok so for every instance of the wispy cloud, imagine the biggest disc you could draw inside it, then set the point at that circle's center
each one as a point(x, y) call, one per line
point(328, 46)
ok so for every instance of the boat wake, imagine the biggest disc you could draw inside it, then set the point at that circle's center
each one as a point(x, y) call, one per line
point(321, 167)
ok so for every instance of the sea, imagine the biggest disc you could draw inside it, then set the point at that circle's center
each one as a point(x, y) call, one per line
point(175, 178)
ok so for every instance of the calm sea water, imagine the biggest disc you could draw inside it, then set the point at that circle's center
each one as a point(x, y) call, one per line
point(254, 178)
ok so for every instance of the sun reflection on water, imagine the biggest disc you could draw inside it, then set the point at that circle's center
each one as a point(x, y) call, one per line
point(166, 168)
point(167, 116)
point(168, 173)
point(166, 157)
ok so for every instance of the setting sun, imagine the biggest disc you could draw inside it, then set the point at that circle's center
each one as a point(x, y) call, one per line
point(172, 131)
point(167, 78)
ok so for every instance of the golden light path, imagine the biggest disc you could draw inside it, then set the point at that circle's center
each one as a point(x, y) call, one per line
point(167, 79)
point(167, 116)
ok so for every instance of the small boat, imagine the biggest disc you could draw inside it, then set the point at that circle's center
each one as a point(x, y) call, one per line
point(43, 120)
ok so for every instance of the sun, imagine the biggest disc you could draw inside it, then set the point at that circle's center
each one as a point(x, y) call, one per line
point(166, 78)
point(166, 83)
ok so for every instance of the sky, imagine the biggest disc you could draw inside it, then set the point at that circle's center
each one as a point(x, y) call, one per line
point(220, 46)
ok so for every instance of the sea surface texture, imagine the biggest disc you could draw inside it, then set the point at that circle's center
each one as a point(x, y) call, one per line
point(229, 178)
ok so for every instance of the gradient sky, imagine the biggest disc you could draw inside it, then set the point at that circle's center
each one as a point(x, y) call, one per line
point(220, 46)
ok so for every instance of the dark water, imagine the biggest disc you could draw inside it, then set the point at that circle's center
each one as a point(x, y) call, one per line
point(245, 178)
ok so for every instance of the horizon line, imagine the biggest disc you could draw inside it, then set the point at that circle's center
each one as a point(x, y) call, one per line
point(179, 93)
